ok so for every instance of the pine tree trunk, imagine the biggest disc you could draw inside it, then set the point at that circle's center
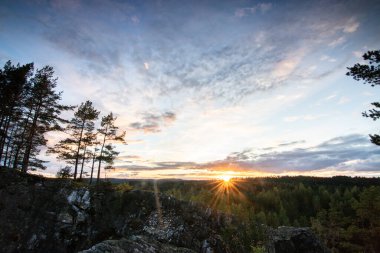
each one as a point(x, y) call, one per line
point(101, 153)
point(21, 142)
point(4, 137)
point(100, 162)
point(1, 129)
point(77, 155)
point(92, 167)
point(15, 159)
point(28, 148)
point(10, 161)
point(7, 155)
point(13, 146)
point(2, 120)
point(84, 157)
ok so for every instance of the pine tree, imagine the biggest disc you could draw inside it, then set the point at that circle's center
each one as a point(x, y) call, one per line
point(43, 115)
point(14, 89)
point(80, 129)
point(29, 108)
point(108, 131)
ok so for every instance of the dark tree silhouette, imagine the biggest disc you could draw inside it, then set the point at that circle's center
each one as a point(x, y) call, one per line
point(29, 107)
point(73, 149)
point(14, 89)
point(108, 133)
point(64, 172)
point(369, 73)
point(43, 110)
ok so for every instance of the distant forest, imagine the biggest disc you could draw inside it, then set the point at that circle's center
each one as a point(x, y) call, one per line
point(343, 211)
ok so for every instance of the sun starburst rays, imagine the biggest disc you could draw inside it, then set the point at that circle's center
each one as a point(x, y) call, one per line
point(226, 192)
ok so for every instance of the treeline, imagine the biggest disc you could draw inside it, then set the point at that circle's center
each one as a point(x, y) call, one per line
point(30, 107)
point(343, 211)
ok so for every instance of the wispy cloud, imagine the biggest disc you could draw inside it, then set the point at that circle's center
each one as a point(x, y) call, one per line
point(262, 7)
point(291, 143)
point(351, 26)
point(352, 152)
point(152, 123)
point(327, 58)
point(338, 41)
point(246, 63)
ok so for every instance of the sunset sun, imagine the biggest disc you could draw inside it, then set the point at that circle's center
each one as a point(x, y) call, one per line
point(226, 178)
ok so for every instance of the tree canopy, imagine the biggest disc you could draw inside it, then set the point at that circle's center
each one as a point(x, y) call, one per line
point(30, 107)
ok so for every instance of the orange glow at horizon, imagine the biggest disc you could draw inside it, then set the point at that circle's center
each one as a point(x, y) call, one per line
point(226, 191)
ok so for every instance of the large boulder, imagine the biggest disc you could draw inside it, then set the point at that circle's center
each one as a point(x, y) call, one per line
point(294, 240)
point(135, 244)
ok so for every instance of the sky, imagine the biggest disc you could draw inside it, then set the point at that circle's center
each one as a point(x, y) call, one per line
point(209, 88)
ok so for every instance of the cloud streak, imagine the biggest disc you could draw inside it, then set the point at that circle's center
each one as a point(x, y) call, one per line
point(262, 7)
point(152, 123)
point(351, 153)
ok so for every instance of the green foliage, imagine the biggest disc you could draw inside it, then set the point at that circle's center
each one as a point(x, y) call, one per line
point(64, 173)
point(123, 187)
point(369, 73)
point(258, 249)
point(343, 211)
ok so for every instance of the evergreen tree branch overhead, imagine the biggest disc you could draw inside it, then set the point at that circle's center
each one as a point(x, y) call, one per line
point(369, 73)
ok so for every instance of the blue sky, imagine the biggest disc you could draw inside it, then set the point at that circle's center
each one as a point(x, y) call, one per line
point(211, 87)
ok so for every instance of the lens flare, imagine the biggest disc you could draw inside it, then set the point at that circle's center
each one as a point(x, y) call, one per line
point(226, 178)
point(226, 192)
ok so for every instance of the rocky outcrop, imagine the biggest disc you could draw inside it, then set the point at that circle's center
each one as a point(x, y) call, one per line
point(294, 240)
point(46, 215)
point(136, 244)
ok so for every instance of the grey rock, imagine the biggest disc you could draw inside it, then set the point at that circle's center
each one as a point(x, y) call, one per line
point(80, 198)
point(294, 240)
point(135, 244)
point(65, 217)
point(33, 242)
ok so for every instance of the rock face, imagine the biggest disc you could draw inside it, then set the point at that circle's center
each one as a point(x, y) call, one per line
point(42, 215)
point(294, 240)
point(136, 244)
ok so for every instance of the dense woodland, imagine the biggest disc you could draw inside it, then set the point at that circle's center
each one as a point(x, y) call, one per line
point(31, 106)
point(343, 211)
